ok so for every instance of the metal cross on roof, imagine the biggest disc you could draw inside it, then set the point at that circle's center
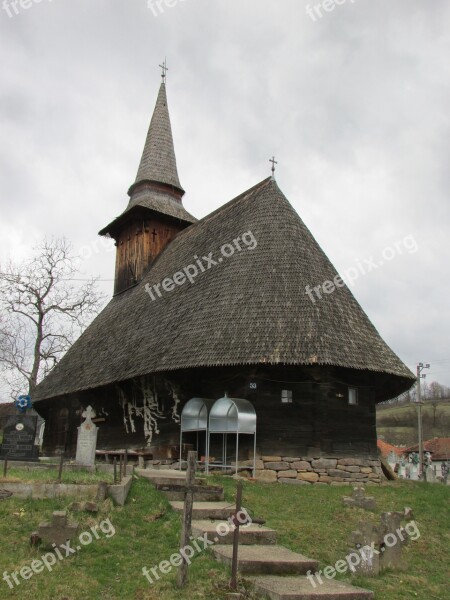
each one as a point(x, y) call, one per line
point(274, 162)
point(164, 71)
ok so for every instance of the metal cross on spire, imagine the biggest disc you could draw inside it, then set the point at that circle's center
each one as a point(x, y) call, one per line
point(164, 71)
point(274, 162)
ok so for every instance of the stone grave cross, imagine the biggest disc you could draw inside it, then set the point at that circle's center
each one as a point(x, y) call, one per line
point(87, 439)
point(360, 500)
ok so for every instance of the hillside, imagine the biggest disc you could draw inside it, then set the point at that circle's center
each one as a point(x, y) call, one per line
point(398, 424)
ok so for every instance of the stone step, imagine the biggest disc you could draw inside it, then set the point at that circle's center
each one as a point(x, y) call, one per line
point(248, 535)
point(166, 476)
point(202, 493)
point(207, 510)
point(269, 560)
point(300, 588)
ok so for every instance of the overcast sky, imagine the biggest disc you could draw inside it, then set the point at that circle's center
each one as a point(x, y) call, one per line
point(354, 104)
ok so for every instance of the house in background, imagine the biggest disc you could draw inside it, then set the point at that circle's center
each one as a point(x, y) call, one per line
point(437, 448)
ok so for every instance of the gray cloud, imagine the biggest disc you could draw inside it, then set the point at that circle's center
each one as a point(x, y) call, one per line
point(353, 105)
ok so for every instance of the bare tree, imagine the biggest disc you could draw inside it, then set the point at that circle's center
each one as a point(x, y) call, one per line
point(42, 311)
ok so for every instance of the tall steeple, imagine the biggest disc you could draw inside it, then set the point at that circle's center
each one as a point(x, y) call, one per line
point(155, 211)
point(158, 163)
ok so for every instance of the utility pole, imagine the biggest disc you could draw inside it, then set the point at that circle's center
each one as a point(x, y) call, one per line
point(420, 368)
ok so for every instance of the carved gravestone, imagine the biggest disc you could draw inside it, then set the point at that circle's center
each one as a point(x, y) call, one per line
point(358, 499)
point(19, 432)
point(392, 545)
point(392, 460)
point(87, 439)
point(380, 546)
point(58, 532)
point(430, 474)
point(366, 541)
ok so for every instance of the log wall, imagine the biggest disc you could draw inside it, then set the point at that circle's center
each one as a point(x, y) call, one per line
point(138, 244)
point(146, 412)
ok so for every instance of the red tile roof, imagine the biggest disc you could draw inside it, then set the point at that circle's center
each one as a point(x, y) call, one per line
point(439, 447)
point(385, 449)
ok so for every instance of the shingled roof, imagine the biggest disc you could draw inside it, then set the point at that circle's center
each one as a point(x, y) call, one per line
point(250, 308)
point(158, 161)
point(157, 186)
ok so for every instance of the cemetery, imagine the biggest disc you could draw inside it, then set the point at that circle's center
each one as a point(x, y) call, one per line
point(267, 527)
point(308, 521)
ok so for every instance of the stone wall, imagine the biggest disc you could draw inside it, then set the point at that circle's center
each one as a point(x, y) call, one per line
point(301, 471)
point(325, 471)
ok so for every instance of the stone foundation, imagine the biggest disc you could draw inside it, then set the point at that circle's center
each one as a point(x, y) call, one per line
point(302, 471)
point(306, 471)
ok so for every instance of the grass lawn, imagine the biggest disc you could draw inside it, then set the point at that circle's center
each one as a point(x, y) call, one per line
point(309, 519)
point(29, 474)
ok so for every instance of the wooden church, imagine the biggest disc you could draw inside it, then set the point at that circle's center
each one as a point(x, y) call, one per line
point(219, 305)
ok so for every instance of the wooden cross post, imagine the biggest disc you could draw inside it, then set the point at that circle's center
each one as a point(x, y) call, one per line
point(186, 528)
point(234, 563)
point(5, 467)
point(61, 464)
point(115, 469)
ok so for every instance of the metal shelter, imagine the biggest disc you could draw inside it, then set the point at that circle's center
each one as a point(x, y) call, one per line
point(194, 418)
point(231, 416)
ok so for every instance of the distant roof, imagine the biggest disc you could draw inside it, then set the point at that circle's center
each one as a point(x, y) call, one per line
point(385, 449)
point(439, 447)
point(250, 308)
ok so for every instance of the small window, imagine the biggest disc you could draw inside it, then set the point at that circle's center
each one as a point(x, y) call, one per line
point(286, 396)
point(353, 396)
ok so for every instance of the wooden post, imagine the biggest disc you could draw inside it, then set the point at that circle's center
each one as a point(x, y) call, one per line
point(60, 470)
point(115, 469)
point(120, 467)
point(186, 528)
point(234, 563)
point(125, 463)
point(5, 467)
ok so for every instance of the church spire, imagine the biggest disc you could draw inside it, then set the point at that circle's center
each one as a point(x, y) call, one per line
point(155, 213)
point(158, 163)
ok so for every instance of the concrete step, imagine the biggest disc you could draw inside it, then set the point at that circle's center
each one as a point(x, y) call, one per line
point(249, 535)
point(166, 476)
point(202, 493)
point(300, 588)
point(269, 560)
point(207, 510)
